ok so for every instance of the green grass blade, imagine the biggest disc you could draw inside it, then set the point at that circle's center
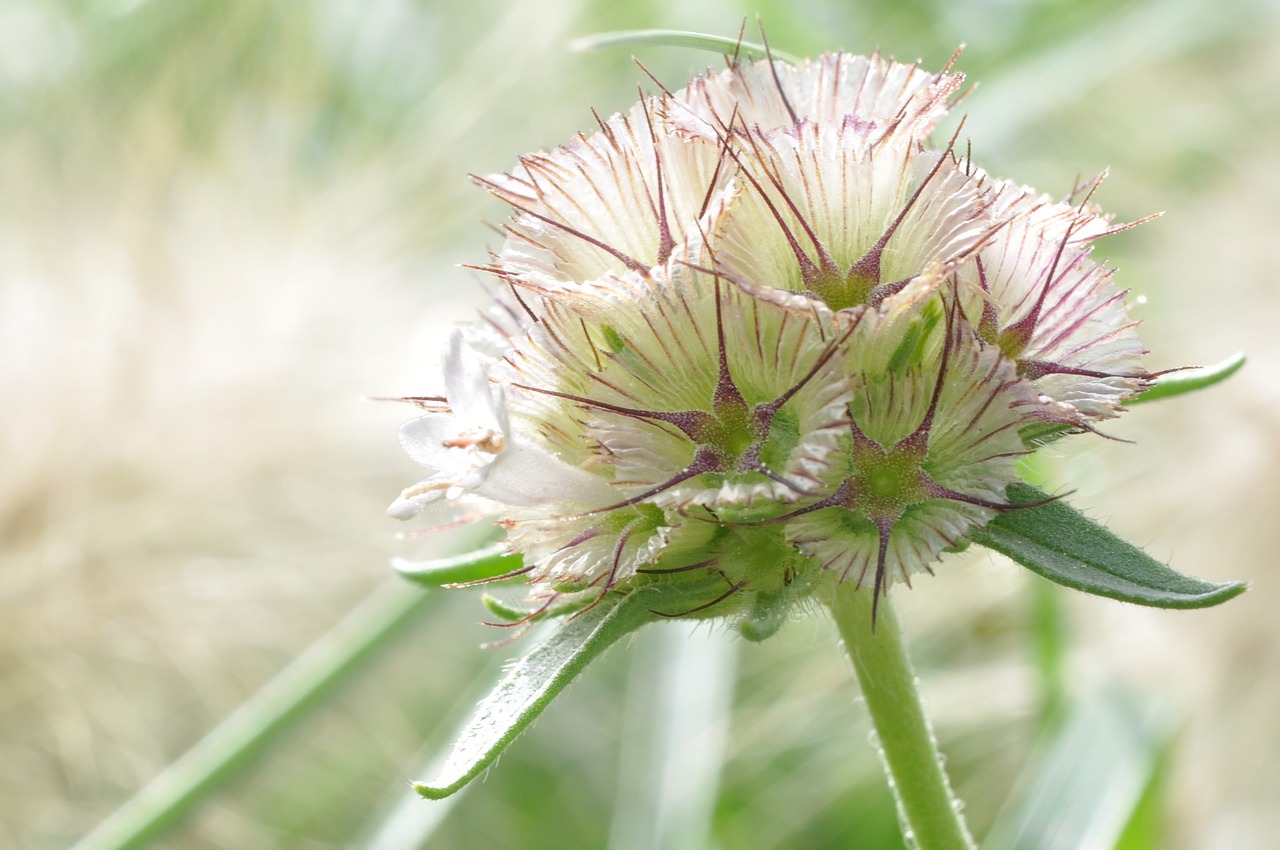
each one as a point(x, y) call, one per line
point(1058, 542)
point(1177, 383)
point(679, 38)
point(260, 720)
point(1095, 784)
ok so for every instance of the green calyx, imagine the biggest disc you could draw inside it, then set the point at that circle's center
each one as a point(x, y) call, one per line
point(842, 291)
point(886, 481)
point(729, 430)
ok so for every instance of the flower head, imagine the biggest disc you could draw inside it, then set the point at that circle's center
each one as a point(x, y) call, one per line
point(763, 329)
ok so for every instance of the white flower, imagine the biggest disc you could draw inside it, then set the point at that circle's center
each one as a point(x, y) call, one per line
point(471, 448)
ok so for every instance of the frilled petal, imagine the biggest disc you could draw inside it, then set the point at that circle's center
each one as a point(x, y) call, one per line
point(834, 212)
point(620, 199)
point(639, 361)
point(774, 97)
point(1035, 290)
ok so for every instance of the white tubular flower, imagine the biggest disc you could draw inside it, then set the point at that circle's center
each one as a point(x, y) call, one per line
point(470, 446)
point(774, 97)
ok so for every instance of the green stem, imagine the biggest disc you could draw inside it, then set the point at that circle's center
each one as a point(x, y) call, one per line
point(926, 804)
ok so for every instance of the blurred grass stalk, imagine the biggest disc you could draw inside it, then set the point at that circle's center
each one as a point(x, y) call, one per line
point(263, 719)
point(1096, 784)
point(675, 736)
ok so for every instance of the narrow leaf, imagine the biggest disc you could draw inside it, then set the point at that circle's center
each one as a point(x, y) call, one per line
point(1056, 541)
point(1177, 383)
point(1093, 779)
point(490, 562)
point(531, 684)
point(679, 38)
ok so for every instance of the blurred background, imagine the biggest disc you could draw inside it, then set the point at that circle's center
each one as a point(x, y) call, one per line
point(223, 225)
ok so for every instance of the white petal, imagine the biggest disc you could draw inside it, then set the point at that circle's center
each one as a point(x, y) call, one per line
point(833, 186)
point(829, 90)
point(466, 377)
point(526, 475)
point(598, 205)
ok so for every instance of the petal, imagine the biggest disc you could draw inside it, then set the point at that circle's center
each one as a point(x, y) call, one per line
point(430, 440)
point(527, 475)
point(600, 204)
point(1083, 322)
point(474, 403)
point(828, 90)
point(826, 195)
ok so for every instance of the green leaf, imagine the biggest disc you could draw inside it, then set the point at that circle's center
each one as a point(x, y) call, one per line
point(679, 38)
point(1096, 784)
point(1056, 541)
point(489, 563)
point(1177, 383)
point(531, 684)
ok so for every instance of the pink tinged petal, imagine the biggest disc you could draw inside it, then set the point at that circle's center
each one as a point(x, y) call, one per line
point(826, 203)
point(829, 89)
point(1081, 347)
point(617, 200)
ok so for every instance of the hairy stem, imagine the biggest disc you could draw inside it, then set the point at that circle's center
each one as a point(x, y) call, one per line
point(927, 806)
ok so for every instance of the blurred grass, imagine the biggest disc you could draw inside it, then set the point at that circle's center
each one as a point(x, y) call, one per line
point(223, 224)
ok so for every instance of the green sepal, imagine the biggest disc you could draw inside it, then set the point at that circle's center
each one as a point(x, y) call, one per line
point(1058, 542)
point(1177, 383)
point(514, 612)
point(680, 38)
point(486, 564)
point(533, 682)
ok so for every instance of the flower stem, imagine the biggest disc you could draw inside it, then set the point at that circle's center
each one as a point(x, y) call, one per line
point(927, 806)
